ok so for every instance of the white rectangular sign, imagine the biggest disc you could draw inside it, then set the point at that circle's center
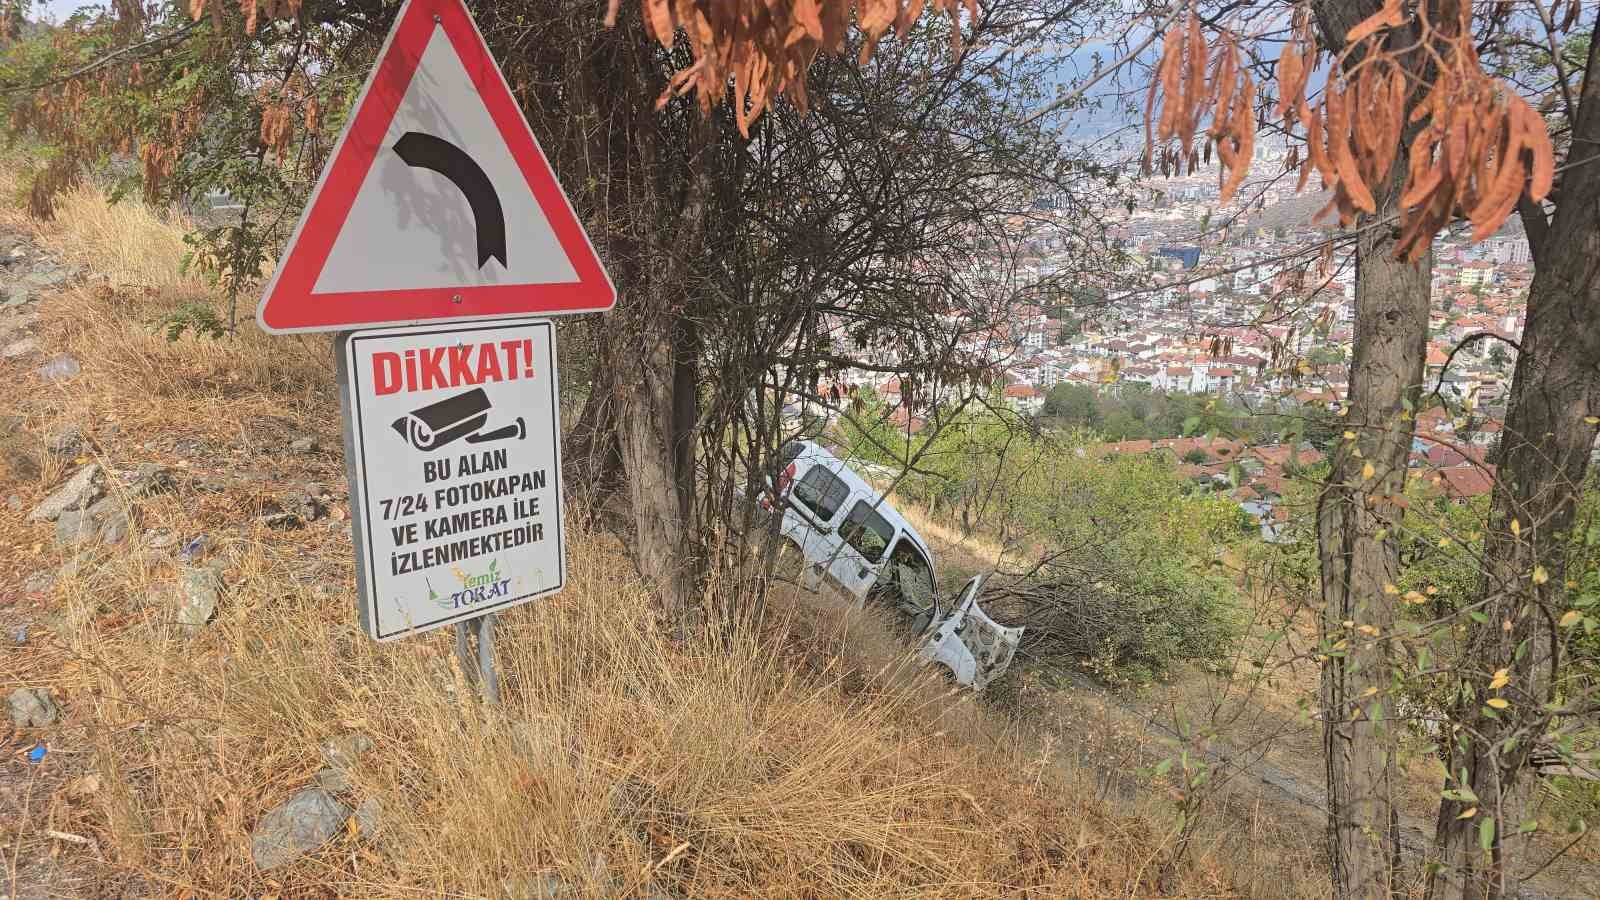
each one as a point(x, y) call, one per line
point(453, 450)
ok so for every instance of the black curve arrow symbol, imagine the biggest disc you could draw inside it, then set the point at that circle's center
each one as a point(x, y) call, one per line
point(428, 152)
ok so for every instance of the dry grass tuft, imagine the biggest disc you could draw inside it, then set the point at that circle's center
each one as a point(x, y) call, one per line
point(777, 761)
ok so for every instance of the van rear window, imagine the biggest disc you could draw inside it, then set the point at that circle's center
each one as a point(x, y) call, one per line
point(867, 531)
point(822, 492)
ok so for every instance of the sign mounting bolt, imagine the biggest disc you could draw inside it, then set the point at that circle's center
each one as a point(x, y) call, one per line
point(455, 298)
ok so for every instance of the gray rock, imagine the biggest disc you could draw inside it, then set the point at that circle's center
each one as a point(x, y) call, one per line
point(82, 489)
point(342, 752)
point(161, 539)
point(65, 441)
point(292, 511)
point(32, 708)
point(74, 565)
point(300, 825)
point(74, 528)
point(59, 369)
point(114, 528)
point(303, 445)
point(14, 503)
point(19, 348)
point(16, 297)
point(46, 278)
point(151, 479)
point(369, 816)
point(106, 522)
point(334, 781)
point(199, 588)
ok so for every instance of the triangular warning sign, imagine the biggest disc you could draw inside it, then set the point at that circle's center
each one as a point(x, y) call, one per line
point(437, 202)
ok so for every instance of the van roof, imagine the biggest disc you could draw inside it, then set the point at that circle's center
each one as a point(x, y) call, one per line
point(816, 454)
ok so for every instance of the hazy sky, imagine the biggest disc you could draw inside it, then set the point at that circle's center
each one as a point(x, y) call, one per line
point(58, 9)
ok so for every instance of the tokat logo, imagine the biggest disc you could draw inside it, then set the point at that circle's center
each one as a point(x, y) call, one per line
point(475, 589)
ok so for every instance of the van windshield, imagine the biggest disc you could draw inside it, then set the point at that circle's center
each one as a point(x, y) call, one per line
point(867, 531)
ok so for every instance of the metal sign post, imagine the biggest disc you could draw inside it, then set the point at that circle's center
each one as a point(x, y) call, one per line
point(483, 661)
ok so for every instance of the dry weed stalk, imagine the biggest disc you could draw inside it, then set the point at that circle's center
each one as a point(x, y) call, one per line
point(1479, 148)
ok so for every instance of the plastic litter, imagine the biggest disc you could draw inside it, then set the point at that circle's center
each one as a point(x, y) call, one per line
point(59, 368)
point(193, 548)
point(21, 636)
point(36, 755)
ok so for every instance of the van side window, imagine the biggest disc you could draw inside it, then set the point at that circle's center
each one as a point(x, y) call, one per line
point(867, 531)
point(789, 453)
point(822, 492)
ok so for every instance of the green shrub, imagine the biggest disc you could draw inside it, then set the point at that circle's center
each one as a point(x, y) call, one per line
point(1133, 583)
point(195, 317)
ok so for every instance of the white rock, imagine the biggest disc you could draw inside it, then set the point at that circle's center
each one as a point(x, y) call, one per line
point(19, 348)
point(82, 489)
point(199, 587)
point(32, 708)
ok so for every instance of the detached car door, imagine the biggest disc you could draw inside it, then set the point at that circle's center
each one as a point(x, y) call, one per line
point(974, 647)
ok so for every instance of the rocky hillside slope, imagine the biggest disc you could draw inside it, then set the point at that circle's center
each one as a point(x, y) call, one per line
point(193, 710)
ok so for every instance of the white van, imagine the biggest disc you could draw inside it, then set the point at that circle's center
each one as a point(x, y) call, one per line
point(852, 538)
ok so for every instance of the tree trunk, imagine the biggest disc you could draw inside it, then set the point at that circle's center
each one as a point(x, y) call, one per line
point(1542, 463)
point(644, 391)
point(1357, 536)
point(1359, 556)
point(656, 206)
point(685, 410)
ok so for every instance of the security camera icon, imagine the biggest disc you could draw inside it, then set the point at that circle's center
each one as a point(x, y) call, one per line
point(453, 418)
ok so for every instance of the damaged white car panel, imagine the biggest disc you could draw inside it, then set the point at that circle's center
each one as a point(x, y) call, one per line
point(974, 647)
point(852, 538)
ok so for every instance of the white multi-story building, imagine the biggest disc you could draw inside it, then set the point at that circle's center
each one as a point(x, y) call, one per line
point(1478, 273)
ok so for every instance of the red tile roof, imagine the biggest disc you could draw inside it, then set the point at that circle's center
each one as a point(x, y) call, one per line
point(1466, 481)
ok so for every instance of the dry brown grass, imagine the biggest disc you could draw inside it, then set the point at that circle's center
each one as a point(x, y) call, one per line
point(803, 757)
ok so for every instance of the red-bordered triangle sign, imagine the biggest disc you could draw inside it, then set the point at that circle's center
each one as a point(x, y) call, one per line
point(437, 202)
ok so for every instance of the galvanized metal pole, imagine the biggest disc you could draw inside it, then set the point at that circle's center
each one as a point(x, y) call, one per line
point(469, 664)
point(490, 678)
point(479, 668)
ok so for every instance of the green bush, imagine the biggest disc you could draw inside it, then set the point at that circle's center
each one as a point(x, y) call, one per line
point(1133, 583)
point(195, 317)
